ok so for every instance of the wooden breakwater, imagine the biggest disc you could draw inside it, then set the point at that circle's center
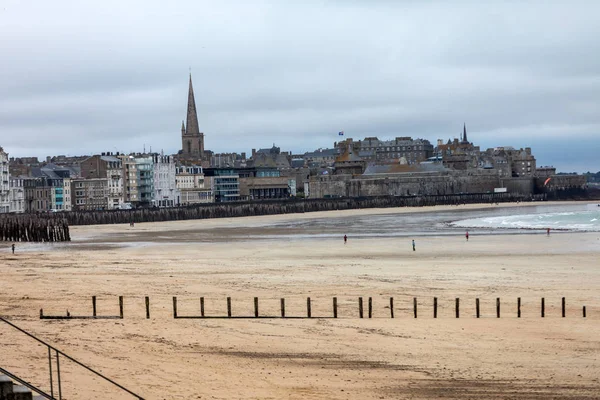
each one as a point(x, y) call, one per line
point(287, 206)
point(34, 228)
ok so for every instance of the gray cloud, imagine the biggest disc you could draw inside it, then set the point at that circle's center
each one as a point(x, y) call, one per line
point(83, 77)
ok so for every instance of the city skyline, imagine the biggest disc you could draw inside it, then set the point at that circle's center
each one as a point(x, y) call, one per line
point(519, 75)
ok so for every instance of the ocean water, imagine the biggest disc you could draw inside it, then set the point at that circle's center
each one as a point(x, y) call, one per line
point(577, 218)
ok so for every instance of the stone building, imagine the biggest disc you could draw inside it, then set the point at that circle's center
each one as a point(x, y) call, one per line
point(107, 166)
point(191, 185)
point(37, 194)
point(89, 194)
point(192, 140)
point(4, 182)
point(374, 150)
point(256, 188)
point(130, 179)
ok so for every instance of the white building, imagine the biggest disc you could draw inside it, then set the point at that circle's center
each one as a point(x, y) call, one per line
point(16, 196)
point(4, 182)
point(114, 174)
point(165, 192)
point(67, 204)
point(191, 184)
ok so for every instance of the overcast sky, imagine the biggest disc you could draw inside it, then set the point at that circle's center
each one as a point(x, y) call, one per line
point(81, 77)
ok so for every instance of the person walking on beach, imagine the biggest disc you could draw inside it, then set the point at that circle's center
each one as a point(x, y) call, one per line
point(13, 248)
point(467, 235)
point(548, 231)
point(345, 239)
point(414, 247)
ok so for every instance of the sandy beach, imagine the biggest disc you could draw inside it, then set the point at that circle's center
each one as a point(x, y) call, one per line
point(272, 257)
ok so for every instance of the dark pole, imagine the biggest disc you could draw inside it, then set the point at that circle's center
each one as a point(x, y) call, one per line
point(360, 307)
point(308, 308)
point(415, 306)
point(457, 307)
point(335, 307)
point(518, 307)
point(498, 307)
point(202, 306)
point(147, 307)
point(282, 308)
point(370, 307)
point(94, 306)
point(477, 308)
point(256, 307)
point(121, 306)
point(174, 307)
point(435, 307)
point(563, 307)
point(392, 307)
point(229, 307)
point(543, 308)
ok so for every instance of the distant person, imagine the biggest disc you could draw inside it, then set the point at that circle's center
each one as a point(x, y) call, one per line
point(13, 248)
point(467, 235)
point(414, 246)
point(345, 239)
point(548, 231)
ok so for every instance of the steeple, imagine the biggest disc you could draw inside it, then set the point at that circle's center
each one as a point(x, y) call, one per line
point(182, 128)
point(192, 118)
point(465, 133)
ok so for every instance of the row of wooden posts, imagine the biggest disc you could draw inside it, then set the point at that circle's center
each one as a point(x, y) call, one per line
point(33, 228)
point(308, 309)
point(285, 206)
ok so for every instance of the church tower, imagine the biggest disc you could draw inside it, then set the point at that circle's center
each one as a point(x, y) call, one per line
point(192, 140)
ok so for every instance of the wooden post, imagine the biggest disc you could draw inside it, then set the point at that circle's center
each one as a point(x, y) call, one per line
point(202, 306)
point(415, 306)
point(94, 306)
point(391, 307)
point(583, 312)
point(256, 307)
point(282, 308)
point(518, 307)
point(229, 307)
point(543, 308)
point(147, 307)
point(497, 307)
point(370, 307)
point(477, 308)
point(42, 312)
point(360, 307)
point(457, 307)
point(174, 307)
point(563, 307)
point(435, 307)
point(121, 306)
point(335, 307)
point(308, 309)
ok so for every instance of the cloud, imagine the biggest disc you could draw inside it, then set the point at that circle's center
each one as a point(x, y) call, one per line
point(85, 77)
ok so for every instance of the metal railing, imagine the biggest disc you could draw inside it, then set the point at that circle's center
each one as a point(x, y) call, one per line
point(59, 353)
point(27, 384)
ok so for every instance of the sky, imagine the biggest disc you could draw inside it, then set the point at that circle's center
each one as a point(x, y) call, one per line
point(83, 77)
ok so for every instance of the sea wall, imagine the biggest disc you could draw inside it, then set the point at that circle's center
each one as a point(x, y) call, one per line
point(417, 183)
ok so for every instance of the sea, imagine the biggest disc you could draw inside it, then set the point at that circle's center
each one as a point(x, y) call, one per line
point(577, 218)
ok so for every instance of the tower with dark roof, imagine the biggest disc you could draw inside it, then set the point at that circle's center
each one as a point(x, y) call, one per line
point(464, 138)
point(192, 140)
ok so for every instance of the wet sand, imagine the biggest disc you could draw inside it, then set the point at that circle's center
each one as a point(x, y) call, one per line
point(344, 358)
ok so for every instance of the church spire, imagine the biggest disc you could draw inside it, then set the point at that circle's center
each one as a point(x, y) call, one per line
point(192, 118)
point(465, 133)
